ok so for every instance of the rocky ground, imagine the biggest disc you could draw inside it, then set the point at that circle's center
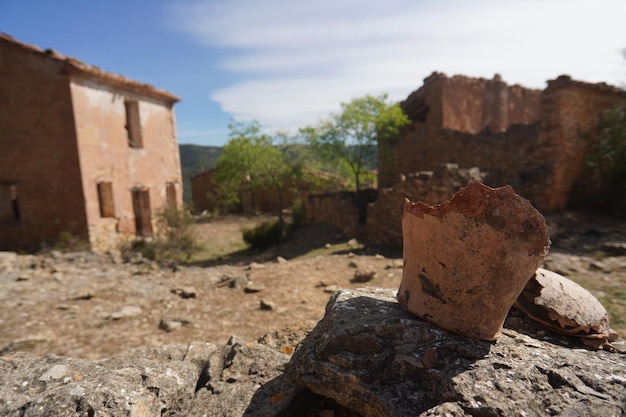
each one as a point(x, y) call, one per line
point(92, 306)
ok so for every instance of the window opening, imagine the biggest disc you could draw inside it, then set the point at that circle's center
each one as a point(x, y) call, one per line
point(105, 197)
point(9, 206)
point(133, 124)
point(141, 208)
point(170, 194)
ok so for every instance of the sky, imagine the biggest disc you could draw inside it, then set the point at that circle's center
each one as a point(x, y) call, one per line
point(290, 63)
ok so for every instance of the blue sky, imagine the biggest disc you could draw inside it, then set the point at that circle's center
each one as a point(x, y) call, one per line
point(288, 63)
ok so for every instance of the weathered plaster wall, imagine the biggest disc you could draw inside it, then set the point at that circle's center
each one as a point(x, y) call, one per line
point(38, 149)
point(105, 155)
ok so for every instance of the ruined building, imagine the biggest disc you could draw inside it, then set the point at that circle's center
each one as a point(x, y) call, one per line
point(465, 128)
point(529, 139)
point(83, 152)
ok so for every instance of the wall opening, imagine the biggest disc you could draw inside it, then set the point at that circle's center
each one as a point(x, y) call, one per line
point(141, 208)
point(105, 197)
point(133, 124)
point(170, 194)
point(9, 206)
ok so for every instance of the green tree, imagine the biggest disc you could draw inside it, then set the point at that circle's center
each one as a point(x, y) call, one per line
point(607, 154)
point(255, 160)
point(347, 138)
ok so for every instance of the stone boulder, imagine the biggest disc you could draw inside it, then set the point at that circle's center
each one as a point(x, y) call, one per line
point(199, 379)
point(374, 358)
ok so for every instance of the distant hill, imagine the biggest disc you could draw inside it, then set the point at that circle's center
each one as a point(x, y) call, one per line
point(193, 160)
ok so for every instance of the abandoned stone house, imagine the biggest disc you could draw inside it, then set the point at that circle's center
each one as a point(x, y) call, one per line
point(83, 152)
point(465, 128)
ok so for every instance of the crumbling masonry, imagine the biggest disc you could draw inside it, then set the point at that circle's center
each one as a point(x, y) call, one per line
point(529, 139)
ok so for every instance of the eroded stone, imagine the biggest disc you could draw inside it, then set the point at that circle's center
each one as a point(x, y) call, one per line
point(375, 358)
point(467, 260)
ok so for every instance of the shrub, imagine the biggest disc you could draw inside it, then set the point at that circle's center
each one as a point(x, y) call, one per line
point(70, 243)
point(607, 155)
point(265, 235)
point(175, 239)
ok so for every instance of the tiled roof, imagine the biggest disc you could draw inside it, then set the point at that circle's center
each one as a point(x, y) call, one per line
point(78, 67)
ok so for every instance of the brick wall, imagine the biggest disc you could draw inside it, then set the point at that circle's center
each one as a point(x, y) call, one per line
point(384, 227)
point(569, 109)
point(465, 121)
point(340, 209)
point(38, 149)
point(526, 138)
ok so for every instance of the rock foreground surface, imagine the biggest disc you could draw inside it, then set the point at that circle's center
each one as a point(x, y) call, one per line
point(374, 358)
point(366, 357)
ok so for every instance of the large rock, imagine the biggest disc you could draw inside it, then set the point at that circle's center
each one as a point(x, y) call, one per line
point(375, 358)
point(199, 379)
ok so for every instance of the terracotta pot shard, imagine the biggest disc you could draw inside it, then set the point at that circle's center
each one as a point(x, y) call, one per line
point(468, 259)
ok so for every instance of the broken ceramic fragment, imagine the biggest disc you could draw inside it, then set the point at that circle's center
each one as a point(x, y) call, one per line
point(565, 307)
point(468, 259)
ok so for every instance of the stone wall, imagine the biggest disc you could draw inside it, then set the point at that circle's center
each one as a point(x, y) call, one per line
point(569, 110)
point(384, 227)
point(205, 194)
point(526, 138)
point(453, 111)
point(340, 209)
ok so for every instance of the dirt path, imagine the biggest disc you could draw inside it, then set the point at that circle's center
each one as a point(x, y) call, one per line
point(91, 306)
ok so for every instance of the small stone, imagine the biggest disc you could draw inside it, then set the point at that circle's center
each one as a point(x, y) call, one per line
point(184, 292)
point(267, 305)
point(83, 295)
point(326, 282)
point(239, 282)
point(353, 243)
point(614, 248)
point(364, 275)
point(253, 287)
point(125, 312)
point(600, 266)
point(281, 260)
point(170, 325)
point(255, 266)
point(328, 246)
point(115, 256)
point(396, 263)
point(331, 289)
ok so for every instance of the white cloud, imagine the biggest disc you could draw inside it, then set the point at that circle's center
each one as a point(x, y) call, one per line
point(298, 60)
